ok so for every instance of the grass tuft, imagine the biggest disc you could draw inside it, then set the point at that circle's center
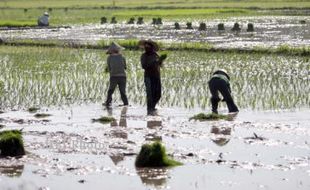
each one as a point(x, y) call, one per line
point(104, 120)
point(208, 117)
point(154, 155)
point(11, 143)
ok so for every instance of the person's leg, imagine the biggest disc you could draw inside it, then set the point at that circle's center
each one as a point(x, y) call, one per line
point(149, 97)
point(226, 93)
point(157, 91)
point(122, 89)
point(112, 86)
point(213, 87)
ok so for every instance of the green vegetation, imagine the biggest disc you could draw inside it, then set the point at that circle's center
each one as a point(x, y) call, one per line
point(11, 143)
point(154, 155)
point(33, 109)
point(104, 120)
point(13, 23)
point(208, 117)
point(50, 76)
point(24, 13)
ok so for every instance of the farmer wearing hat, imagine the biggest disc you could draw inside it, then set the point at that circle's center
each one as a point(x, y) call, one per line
point(116, 67)
point(219, 82)
point(43, 20)
point(151, 63)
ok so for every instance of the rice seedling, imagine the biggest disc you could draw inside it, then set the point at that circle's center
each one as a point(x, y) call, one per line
point(202, 26)
point(154, 155)
point(220, 26)
point(46, 76)
point(103, 20)
point(11, 143)
point(250, 27)
point(33, 109)
point(236, 27)
point(104, 120)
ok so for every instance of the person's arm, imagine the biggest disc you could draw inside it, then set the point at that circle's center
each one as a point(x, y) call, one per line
point(125, 64)
point(108, 67)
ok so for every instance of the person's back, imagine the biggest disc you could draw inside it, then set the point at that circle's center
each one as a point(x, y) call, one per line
point(116, 65)
point(44, 20)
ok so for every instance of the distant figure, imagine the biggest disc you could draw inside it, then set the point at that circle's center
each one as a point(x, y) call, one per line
point(43, 20)
point(116, 67)
point(151, 63)
point(219, 82)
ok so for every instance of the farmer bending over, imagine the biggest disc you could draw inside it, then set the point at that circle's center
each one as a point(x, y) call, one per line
point(219, 82)
point(43, 20)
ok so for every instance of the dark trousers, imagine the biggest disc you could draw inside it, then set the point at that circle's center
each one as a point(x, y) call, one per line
point(153, 91)
point(217, 85)
point(121, 83)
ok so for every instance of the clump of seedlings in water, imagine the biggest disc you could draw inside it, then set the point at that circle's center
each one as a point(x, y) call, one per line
point(177, 26)
point(250, 27)
point(220, 27)
point(154, 155)
point(103, 20)
point(113, 20)
point(189, 26)
point(25, 10)
point(104, 119)
point(50, 9)
point(33, 109)
point(42, 115)
point(236, 27)
point(202, 26)
point(302, 22)
point(140, 20)
point(11, 143)
point(208, 117)
point(131, 21)
point(157, 21)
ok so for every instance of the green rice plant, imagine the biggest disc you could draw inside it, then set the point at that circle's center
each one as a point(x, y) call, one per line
point(208, 117)
point(11, 143)
point(42, 115)
point(33, 109)
point(104, 120)
point(154, 155)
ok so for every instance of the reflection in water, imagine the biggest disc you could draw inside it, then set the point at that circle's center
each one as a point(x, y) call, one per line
point(12, 171)
point(153, 176)
point(153, 124)
point(232, 116)
point(117, 158)
point(117, 133)
point(222, 135)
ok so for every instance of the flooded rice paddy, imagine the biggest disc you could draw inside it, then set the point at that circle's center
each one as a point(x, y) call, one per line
point(269, 32)
point(266, 146)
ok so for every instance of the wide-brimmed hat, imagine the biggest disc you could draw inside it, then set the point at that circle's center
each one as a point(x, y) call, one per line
point(149, 42)
point(114, 47)
point(46, 13)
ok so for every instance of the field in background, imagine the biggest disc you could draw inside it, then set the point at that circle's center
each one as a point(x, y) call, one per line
point(22, 12)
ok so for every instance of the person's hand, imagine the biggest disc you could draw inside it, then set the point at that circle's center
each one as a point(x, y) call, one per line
point(163, 57)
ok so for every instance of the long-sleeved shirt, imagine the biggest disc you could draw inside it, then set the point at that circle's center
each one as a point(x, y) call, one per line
point(43, 20)
point(151, 64)
point(117, 65)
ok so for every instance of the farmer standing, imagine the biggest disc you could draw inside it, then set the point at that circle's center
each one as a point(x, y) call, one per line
point(151, 63)
point(219, 82)
point(116, 67)
point(43, 20)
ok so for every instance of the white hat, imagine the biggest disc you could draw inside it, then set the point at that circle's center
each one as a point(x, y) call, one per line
point(46, 13)
point(114, 47)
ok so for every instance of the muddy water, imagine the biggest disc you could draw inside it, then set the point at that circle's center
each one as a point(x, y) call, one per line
point(67, 150)
point(269, 32)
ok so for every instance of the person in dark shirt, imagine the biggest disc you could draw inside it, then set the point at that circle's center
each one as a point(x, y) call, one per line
point(219, 82)
point(151, 62)
point(116, 66)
